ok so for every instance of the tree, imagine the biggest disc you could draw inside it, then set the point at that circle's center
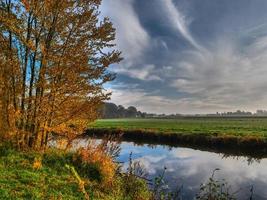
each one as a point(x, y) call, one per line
point(131, 111)
point(54, 63)
point(121, 111)
point(110, 110)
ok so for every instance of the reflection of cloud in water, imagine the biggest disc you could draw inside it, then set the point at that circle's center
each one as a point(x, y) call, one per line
point(150, 161)
point(190, 168)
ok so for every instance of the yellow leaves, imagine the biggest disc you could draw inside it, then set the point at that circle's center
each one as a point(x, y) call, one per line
point(54, 71)
point(62, 143)
point(42, 48)
point(96, 155)
point(30, 45)
point(37, 163)
point(26, 4)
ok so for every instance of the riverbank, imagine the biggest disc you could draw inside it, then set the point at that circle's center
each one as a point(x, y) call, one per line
point(252, 146)
point(85, 174)
point(55, 174)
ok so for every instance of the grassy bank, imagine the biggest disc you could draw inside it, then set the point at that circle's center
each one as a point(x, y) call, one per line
point(56, 175)
point(232, 126)
point(235, 136)
point(32, 175)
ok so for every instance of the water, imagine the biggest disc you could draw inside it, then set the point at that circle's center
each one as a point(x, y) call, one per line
point(189, 168)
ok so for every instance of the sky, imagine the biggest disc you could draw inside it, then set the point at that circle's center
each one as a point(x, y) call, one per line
point(190, 56)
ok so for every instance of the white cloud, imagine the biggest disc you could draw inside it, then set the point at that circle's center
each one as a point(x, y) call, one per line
point(132, 38)
point(227, 75)
point(223, 79)
point(146, 73)
point(179, 22)
point(153, 103)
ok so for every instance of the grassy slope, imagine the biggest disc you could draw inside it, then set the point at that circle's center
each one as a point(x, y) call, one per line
point(19, 180)
point(221, 126)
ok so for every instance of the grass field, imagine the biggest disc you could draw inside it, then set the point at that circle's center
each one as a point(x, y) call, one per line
point(243, 126)
point(21, 177)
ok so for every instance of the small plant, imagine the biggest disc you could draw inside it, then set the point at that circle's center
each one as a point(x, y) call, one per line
point(81, 183)
point(215, 190)
point(134, 182)
point(161, 189)
point(37, 163)
point(94, 163)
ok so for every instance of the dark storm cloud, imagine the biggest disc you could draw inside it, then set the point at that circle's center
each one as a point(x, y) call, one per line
point(190, 56)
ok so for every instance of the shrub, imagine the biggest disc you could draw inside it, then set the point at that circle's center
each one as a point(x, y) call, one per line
point(134, 188)
point(94, 163)
point(215, 190)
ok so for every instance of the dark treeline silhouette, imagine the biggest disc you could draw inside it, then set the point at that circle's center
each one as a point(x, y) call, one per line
point(111, 110)
point(241, 113)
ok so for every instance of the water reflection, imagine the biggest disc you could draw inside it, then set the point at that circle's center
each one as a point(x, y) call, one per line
point(190, 168)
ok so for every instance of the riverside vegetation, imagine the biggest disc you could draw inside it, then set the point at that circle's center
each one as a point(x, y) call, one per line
point(88, 173)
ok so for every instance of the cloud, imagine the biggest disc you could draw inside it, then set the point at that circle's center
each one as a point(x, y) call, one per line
point(223, 68)
point(153, 103)
point(146, 73)
point(132, 38)
point(230, 75)
point(179, 22)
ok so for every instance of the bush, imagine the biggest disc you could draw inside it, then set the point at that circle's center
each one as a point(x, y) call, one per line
point(95, 164)
point(215, 190)
point(134, 188)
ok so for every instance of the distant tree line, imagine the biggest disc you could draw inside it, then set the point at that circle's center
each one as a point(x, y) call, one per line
point(241, 113)
point(236, 113)
point(111, 110)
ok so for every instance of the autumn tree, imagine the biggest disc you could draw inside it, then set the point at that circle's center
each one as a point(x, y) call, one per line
point(54, 62)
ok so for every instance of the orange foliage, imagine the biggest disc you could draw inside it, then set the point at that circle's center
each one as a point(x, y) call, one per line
point(96, 155)
point(37, 163)
point(52, 67)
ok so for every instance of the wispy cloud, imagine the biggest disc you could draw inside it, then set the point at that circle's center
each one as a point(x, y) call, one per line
point(223, 68)
point(146, 73)
point(132, 38)
point(179, 22)
point(154, 103)
point(231, 74)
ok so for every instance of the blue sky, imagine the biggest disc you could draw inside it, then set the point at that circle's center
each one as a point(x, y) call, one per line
point(190, 56)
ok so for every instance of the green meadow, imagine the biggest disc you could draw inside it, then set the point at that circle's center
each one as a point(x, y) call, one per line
point(235, 126)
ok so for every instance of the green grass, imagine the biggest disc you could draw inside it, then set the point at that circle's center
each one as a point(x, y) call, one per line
point(53, 181)
point(19, 180)
point(204, 125)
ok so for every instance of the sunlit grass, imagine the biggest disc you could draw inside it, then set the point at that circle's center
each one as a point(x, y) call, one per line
point(49, 175)
point(210, 126)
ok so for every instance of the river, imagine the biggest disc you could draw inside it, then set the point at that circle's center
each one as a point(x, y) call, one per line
point(187, 168)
